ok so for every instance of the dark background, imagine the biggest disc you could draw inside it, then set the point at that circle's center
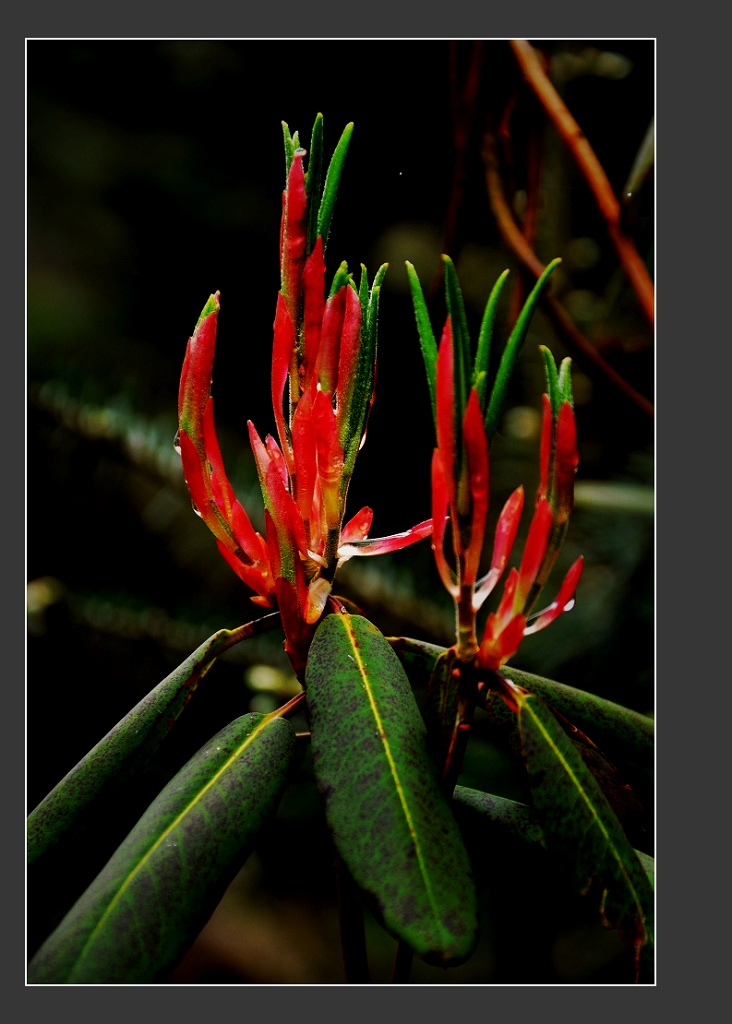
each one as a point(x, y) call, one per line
point(155, 172)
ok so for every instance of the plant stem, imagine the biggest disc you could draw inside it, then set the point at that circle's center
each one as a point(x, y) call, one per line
point(591, 168)
point(515, 240)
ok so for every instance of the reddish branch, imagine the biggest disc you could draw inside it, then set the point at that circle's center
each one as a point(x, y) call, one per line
point(590, 166)
point(516, 241)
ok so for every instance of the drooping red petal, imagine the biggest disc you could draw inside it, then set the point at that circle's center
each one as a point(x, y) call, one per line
point(251, 542)
point(382, 545)
point(497, 647)
point(222, 490)
point(534, 551)
point(261, 583)
point(506, 529)
point(357, 528)
point(476, 449)
point(559, 604)
point(199, 487)
point(439, 509)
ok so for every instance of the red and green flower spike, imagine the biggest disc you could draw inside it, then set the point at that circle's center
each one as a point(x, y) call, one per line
point(558, 458)
point(211, 493)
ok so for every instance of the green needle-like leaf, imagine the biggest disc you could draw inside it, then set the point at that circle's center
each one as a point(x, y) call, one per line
point(129, 745)
point(580, 826)
point(426, 337)
point(511, 352)
point(332, 181)
point(148, 904)
point(314, 180)
point(390, 820)
point(482, 355)
point(461, 347)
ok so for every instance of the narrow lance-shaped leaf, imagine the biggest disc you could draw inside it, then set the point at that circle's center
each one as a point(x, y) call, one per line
point(426, 336)
point(511, 352)
point(332, 181)
point(128, 746)
point(390, 820)
point(579, 825)
point(461, 349)
point(149, 902)
point(482, 354)
point(314, 179)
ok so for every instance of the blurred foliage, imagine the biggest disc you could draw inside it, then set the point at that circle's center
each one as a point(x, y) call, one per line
point(154, 178)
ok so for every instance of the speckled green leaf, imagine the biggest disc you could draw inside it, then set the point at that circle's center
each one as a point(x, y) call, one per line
point(579, 825)
point(516, 819)
point(150, 901)
point(626, 736)
point(390, 821)
point(127, 747)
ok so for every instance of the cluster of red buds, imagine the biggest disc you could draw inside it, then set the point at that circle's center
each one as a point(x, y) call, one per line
point(464, 417)
point(324, 357)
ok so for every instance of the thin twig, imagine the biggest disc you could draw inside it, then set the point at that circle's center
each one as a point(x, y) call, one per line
point(515, 240)
point(591, 168)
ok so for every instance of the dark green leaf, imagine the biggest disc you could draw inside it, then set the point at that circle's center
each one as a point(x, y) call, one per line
point(512, 351)
point(158, 890)
point(390, 820)
point(626, 736)
point(579, 825)
point(129, 745)
point(426, 337)
point(515, 818)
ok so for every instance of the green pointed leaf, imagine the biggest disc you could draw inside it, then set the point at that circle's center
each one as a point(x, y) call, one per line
point(579, 825)
point(332, 181)
point(461, 347)
point(148, 904)
point(552, 379)
point(482, 355)
point(129, 745)
point(363, 384)
point(291, 144)
point(626, 736)
point(390, 820)
point(314, 180)
point(512, 351)
point(426, 337)
point(517, 819)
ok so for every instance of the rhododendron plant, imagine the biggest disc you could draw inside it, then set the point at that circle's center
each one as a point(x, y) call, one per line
point(387, 749)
